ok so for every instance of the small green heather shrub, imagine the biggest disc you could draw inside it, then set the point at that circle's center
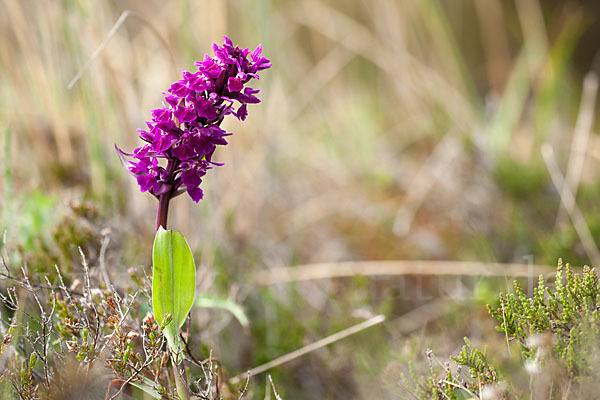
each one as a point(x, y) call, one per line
point(569, 312)
point(557, 332)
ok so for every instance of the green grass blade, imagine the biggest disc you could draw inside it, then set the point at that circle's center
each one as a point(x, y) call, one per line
point(205, 301)
point(513, 102)
point(173, 282)
point(554, 81)
point(147, 388)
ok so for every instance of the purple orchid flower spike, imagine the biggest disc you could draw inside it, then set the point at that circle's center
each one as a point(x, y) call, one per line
point(182, 136)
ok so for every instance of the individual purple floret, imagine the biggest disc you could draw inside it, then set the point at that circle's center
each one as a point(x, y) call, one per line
point(182, 136)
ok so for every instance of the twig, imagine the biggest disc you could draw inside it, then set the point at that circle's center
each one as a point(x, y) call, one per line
point(90, 298)
point(44, 321)
point(309, 348)
point(277, 396)
point(34, 286)
point(102, 263)
point(202, 363)
point(112, 383)
point(120, 323)
point(137, 371)
point(245, 388)
point(67, 292)
point(462, 387)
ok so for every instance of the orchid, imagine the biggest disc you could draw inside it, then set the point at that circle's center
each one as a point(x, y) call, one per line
point(180, 141)
point(182, 136)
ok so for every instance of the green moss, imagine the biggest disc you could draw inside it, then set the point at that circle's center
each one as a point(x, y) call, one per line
point(518, 179)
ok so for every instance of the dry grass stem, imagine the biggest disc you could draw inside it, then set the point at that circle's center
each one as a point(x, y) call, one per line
point(124, 15)
point(577, 218)
point(97, 52)
point(581, 135)
point(396, 267)
point(309, 348)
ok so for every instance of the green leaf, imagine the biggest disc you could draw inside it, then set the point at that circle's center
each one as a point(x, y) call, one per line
point(205, 301)
point(173, 282)
point(147, 387)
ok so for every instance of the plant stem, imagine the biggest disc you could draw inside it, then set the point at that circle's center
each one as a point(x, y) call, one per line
point(181, 384)
point(162, 212)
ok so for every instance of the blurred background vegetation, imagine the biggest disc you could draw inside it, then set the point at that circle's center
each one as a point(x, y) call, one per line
point(389, 130)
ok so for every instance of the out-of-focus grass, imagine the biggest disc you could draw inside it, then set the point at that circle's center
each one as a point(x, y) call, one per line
point(360, 96)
